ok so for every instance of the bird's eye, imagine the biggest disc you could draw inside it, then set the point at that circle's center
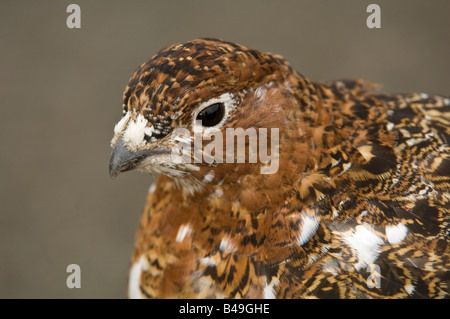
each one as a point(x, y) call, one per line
point(212, 115)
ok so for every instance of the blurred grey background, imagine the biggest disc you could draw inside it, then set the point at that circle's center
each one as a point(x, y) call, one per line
point(61, 91)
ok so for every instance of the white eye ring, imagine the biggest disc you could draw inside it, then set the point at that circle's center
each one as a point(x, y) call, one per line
point(229, 103)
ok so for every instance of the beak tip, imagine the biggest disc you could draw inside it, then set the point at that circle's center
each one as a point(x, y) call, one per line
point(114, 170)
point(113, 175)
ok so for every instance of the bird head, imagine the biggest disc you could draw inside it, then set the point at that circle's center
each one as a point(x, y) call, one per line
point(202, 86)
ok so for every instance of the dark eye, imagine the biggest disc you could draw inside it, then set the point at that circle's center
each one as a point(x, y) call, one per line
point(212, 115)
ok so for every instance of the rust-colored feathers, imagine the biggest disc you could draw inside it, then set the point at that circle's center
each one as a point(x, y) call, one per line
point(358, 207)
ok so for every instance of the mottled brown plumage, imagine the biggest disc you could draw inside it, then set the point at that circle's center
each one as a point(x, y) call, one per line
point(359, 207)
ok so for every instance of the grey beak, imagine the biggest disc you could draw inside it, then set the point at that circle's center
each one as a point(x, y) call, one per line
point(123, 160)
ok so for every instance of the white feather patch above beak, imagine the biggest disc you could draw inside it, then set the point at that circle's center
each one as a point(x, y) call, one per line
point(133, 131)
point(119, 127)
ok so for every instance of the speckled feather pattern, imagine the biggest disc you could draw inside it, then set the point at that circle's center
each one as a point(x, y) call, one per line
point(363, 184)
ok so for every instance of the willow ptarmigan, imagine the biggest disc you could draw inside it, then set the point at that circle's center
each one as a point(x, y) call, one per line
point(358, 207)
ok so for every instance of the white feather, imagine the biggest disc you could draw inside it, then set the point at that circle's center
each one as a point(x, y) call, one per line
point(365, 243)
point(183, 231)
point(396, 234)
point(227, 245)
point(119, 127)
point(269, 289)
point(134, 292)
point(308, 228)
point(133, 135)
